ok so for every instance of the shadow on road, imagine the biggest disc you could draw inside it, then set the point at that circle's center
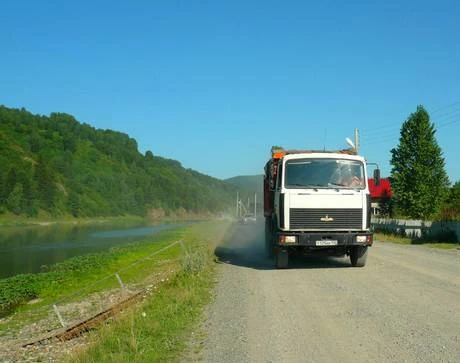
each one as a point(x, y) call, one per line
point(244, 246)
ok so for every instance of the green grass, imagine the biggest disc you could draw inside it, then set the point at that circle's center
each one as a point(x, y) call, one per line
point(387, 237)
point(443, 246)
point(158, 329)
point(384, 237)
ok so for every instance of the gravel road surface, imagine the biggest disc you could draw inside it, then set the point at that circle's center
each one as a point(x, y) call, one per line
point(403, 306)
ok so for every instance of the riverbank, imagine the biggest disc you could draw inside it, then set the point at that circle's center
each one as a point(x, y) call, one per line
point(12, 220)
point(178, 280)
point(33, 249)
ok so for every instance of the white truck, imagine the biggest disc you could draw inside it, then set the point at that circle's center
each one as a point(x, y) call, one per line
point(317, 202)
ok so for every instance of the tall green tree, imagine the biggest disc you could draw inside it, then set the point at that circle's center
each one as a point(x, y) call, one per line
point(74, 204)
point(14, 201)
point(418, 177)
point(46, 185)
point(2, 191)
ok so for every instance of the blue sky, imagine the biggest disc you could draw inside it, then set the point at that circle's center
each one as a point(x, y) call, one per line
point(215, 84)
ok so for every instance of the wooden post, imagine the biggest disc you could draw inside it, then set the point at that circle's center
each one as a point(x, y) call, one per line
point(58, 315)
point(123, 287)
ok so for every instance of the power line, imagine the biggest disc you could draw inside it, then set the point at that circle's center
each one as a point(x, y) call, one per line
point(448, 114)
point(377, 129)
point(383, 132)
point(453, 111)
point(386, 138)
point(448, 123)
point(453, 115)
point(383, 135)
point(381, 140)
point(387, 132)
point(444, 107)
point(380, 132)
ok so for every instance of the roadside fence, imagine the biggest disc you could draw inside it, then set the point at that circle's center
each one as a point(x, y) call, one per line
point(141, 277)
point(417, 229)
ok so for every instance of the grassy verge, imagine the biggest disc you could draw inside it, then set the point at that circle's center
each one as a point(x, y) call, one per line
point(387, 237)
point(443, 246)
point(158, 329)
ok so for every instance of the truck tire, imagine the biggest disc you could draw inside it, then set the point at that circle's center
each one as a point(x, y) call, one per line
point(358, 256)
point(282, 259)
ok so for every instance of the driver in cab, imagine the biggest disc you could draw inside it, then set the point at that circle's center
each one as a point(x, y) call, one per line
point(348, 176)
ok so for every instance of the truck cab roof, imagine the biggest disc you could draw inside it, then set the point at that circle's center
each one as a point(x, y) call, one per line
point(323, 155)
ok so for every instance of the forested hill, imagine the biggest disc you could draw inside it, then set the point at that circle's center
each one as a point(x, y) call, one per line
point(253, 183)
point(58, 166)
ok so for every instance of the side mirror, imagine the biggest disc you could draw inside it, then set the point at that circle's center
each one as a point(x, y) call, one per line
point(377, 177)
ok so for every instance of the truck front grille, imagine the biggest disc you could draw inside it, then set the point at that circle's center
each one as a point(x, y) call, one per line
point(325, 219)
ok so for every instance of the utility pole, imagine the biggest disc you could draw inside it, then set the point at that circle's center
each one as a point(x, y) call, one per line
point(255, 205)
point(357, 140)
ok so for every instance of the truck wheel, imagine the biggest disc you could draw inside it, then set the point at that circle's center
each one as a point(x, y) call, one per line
point(282, 259)
point(358, 256)
point(269, 246)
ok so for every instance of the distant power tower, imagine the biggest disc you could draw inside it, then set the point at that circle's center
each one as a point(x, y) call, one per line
point(241, 209)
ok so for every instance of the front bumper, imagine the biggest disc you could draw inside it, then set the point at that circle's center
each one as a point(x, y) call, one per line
point(324, 239)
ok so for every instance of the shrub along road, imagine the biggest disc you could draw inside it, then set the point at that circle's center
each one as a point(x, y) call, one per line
point(401, 307)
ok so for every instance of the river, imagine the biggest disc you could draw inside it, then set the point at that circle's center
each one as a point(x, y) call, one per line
point(27, 249)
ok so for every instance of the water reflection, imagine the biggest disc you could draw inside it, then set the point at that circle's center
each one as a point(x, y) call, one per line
point(26, 249)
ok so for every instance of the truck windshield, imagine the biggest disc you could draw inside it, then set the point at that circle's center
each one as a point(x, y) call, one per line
point(324, 173)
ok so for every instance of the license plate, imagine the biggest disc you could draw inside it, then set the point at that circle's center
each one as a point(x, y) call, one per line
point(327, 242)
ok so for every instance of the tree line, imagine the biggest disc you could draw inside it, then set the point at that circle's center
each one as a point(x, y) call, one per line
point(58, 166)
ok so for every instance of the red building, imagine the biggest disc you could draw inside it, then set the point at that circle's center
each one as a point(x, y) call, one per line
point(383, 190)
point(379, 192)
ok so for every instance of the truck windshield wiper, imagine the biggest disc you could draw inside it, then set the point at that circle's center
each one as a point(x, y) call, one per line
point(336, 185)
point(307, 185)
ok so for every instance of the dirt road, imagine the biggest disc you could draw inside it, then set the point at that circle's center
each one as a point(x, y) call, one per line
point(404, 306)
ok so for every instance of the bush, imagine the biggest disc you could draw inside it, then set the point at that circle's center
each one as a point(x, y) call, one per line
point(193, 261)
point(17, 290)
point(449, 214)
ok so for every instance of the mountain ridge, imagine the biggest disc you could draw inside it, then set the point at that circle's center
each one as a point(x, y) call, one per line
point(252, 183)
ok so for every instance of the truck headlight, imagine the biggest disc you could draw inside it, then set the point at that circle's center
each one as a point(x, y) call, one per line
point(288, 239)
point(361, 239)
